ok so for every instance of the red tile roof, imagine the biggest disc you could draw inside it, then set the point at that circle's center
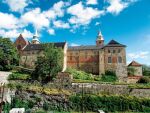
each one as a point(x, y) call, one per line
point(134, 63)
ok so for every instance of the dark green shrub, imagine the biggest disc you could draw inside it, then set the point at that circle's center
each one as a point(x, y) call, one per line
point(110, 103)
point(22, 103)
point(45, 106)
point(109, 76)
point(6, 107)
point(18, 76)
point(144, 80)
point(146, 70)
point(112, 73)
point(23, 70)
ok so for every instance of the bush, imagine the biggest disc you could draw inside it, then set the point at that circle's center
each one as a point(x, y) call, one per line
point(146, 70)
point(80, 74)
point(144, 80)
point(40, 111)
point(20, 103)
point(23, 70)
point(109, 76)
point(45, 106)
point(109, 103)
point(18, 76)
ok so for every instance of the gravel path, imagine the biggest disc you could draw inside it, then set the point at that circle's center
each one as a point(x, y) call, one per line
point(4, 76)
point(3, 79)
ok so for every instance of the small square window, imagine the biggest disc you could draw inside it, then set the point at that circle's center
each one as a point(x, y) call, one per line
point(109, 51)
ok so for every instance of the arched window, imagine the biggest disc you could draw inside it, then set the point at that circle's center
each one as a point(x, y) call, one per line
point(119, 59)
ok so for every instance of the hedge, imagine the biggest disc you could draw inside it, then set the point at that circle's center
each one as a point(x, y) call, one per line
point(110, 103)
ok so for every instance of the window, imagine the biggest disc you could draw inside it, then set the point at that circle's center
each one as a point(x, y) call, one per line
point(114, 51)
point(109, 60)
point(119, 50)
point(70, 57)
point(108, 50)
point(120, 59)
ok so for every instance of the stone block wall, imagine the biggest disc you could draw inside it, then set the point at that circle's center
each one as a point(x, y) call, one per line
point(85, 60)
point(110, 89)
point(114, 53)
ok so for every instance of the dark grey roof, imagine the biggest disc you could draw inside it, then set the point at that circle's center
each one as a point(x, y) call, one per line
point(41, 46)
point(114, 43)
point(88, 47)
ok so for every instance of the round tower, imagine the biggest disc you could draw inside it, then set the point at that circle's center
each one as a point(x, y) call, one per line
point(100, 39)
point(35, 39)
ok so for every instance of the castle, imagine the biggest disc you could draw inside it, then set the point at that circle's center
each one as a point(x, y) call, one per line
point(94, 59)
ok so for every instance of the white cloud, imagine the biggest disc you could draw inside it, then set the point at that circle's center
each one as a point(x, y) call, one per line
point(43, 19)
point(35, 17)
point(27, 34)
point(17, 5)
point(51, 31)
point(92, 2)
point(137, 55)
point(97, 23)
point(74, 44)
point(58, 8)
point(83, 15)
point(15, 33)
point(116, 6)
point(61, 24)
point(8, 21)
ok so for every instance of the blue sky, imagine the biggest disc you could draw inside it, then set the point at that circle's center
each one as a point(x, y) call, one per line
point(77, 22)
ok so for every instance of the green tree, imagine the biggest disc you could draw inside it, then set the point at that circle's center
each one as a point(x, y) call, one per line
point(131, 71)
point(8, 54)
point(48, 65)
point(146, 70)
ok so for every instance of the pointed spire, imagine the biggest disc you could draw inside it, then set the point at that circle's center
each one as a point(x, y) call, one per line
point(36, 34)
point(100, 39)
point(35, 39)
point(100, 33)
point(100, 36)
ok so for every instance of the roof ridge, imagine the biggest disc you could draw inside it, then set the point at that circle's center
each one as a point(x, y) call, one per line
point(134, 63)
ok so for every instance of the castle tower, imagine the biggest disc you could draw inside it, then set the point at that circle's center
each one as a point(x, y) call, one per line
point(100, 39)
point(35, 39)
point(21, 42)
